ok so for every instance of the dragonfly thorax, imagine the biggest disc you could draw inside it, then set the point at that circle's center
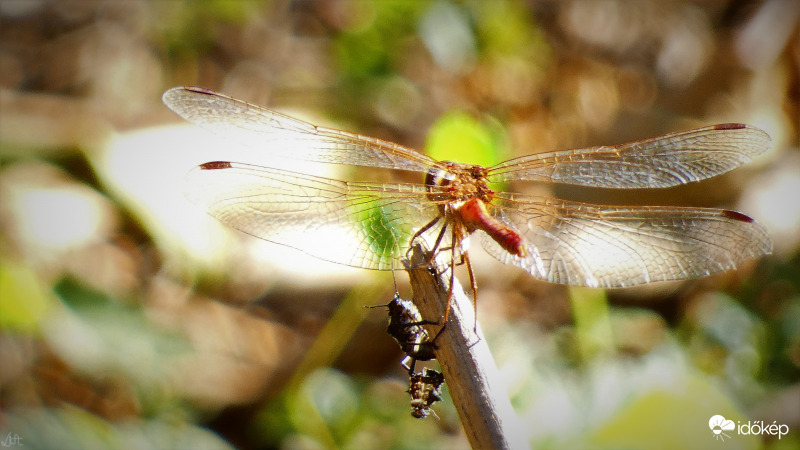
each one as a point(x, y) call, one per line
point(462, 182)
point(464, 193)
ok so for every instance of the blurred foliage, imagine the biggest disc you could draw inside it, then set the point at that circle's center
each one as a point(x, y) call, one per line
point(23, 302)
point(126, 321)
point(191, 28)
point(69, 427)
point(371, 45)
point(336, 410)
point(458, 137)
point(633, 426)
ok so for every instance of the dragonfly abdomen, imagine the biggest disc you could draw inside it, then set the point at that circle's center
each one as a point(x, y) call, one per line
point(475, 217)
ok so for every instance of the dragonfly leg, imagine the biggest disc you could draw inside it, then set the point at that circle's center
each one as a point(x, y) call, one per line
point(432, 254)
point(463, 259)
point(452, 276)
point(474, 285)
point(425, 228)
point(438, 333)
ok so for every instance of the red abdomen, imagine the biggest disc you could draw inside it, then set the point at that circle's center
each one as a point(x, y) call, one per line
point(475, 216)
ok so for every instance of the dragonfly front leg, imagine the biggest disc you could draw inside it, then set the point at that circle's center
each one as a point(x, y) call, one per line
point(463, 258)
point(431, 254)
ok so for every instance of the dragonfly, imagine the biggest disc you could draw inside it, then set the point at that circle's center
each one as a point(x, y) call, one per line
point(373, 225)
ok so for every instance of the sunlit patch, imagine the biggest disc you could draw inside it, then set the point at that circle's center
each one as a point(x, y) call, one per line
point(147, 169)
point(57, 218)
point(769, 202)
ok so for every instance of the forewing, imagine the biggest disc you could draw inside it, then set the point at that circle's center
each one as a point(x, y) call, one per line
point(286, 137)
point(601, 246)
point(663, 161)
point(357, 224)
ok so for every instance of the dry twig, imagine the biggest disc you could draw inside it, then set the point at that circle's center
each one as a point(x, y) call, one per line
point(472, 377)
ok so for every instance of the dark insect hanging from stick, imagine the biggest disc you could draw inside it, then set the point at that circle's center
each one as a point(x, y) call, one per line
point(425, 389)
point(406, 327)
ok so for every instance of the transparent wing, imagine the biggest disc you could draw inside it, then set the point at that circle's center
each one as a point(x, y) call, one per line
point(365, 225)
point(663, 161)
point(602, 246)
point(285, 136)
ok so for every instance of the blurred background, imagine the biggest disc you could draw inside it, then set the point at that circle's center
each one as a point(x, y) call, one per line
point(130, 319)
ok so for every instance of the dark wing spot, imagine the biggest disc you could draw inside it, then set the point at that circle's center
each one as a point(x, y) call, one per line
point(736, 215)
point(730, 126)
point(214, 165)
point(199, 90)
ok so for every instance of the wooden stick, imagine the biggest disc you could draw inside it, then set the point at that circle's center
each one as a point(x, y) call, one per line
point(471, 375)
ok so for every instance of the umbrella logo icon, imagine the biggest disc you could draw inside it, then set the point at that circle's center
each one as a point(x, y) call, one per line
point(719, 425)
